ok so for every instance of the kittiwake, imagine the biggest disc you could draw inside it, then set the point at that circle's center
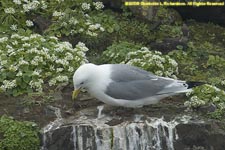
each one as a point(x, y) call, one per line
point(125, 85)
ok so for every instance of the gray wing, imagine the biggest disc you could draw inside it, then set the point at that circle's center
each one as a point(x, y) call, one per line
point(132, 83)
point(139, 89)
point(125, 73)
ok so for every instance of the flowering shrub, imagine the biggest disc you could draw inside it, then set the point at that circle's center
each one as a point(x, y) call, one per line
point(205, 95)
point(28, 62)
point(16, 14)
point(116, 53)
point(154, 61)
point(69, 17)
point(84, 18)
point(137, 55)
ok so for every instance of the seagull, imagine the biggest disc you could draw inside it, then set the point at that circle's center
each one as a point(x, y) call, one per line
point(126, 85)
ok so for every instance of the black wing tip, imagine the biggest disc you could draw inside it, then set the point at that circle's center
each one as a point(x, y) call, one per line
point(192, 84)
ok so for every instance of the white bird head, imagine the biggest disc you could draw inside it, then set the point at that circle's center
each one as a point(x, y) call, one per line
point(83, 77)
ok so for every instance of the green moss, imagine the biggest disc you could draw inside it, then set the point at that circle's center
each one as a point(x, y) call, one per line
point(17, 135)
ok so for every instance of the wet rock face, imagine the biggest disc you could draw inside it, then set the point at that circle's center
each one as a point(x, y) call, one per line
point(60, 139)
point(141, 133)
point(129, 136)
point(134, 137)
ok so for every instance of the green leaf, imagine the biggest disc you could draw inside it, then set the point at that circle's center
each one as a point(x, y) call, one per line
point(15, 92)
point(26, 78)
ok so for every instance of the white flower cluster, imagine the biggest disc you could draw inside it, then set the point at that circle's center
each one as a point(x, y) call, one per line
point(19, 74)
point(215, 99)
point(59, 78)
point(98, 5)
point(18, 2)
point(68, 56)
point(19, 11)
point(23, 62)
point(52, 61)
point(63, 46)
point(221, 105)
point(36, 60)
point(33, 5)
point(194, 102)
point(79, 21)
point(85, 6)
point(93, 28)
point(96, 26)
point(189, 93)
point(35, 73)
point(37, 85)
point(29, 23)
point(222, 82)
point(81, 46)
point(153, 61)
point(3, 39)
point(216, 89)
point(13, 68)
point(3, 62)
point(9, 10)
point(44, 5)
point(62, 62)
point(62, 78)
point(73, 21)
point(58, 14)
point(13, 27)
point(8, 85)
point(206, 94)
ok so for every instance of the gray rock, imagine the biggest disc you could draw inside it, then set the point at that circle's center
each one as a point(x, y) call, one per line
point(132, 131)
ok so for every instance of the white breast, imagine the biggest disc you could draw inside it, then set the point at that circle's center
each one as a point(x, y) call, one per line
point(101, 81)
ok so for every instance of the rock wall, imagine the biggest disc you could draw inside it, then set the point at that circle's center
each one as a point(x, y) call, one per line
point(181, 133)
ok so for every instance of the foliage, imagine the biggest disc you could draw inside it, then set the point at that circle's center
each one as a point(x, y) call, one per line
point(82, 18)
point(201, 33)
point(137, 55)
point(18, 135)
point(167, 16)
point(29, 62)
point(200, 66)
point(187, 66)
point(205, 95)
point(153, 61)
point(16, 14)
point(134, 30)
point(118, 28)
point(69, 16)
point(116, 53)
point(106, 25)
point(216, 61)
point(168, 31)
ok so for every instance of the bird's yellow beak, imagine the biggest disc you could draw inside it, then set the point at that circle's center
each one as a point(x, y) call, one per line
point(75, 93)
